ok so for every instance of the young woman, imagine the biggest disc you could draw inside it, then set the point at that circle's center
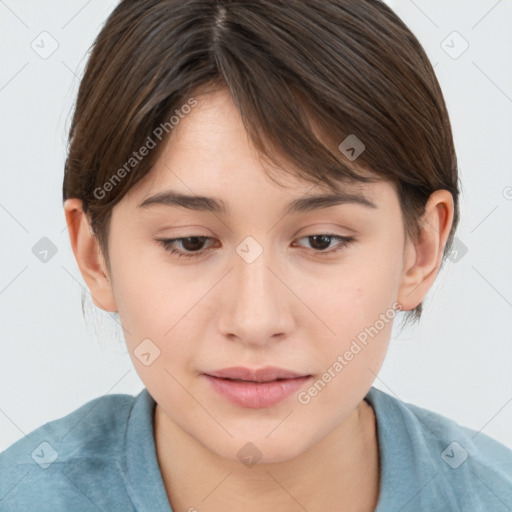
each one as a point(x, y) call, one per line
point(257, 188)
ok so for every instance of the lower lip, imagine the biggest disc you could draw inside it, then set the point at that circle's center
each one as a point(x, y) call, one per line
point(256, 395)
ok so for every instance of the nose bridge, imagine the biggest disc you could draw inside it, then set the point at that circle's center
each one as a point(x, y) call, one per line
point(254, 304)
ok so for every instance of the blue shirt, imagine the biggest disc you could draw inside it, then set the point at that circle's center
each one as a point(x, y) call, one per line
point(102, 457)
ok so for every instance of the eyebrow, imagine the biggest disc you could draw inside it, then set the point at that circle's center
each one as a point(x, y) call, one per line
point(305, 204)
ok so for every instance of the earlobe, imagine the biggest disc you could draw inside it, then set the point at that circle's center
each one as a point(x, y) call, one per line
point(88, 255)
point(423, 257)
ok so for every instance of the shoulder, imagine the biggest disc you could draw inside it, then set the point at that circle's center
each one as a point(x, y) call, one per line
point(47, 467)
point(460, 467)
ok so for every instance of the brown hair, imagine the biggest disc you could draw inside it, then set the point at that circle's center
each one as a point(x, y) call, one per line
point(343, 66)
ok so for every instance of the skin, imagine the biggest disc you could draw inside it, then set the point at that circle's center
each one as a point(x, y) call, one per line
point(291, 307)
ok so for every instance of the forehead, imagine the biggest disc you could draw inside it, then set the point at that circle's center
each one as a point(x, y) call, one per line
point(208, 155)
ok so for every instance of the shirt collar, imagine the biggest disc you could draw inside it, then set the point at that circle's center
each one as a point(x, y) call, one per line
point(406, 465)
point(142, 472)
point(403, 474)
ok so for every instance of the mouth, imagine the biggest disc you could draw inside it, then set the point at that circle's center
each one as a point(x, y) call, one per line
point(266, 374)
point(260, 388)
point(254, 381)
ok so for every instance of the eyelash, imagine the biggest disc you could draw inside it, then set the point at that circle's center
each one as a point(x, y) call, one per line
point(168, 243)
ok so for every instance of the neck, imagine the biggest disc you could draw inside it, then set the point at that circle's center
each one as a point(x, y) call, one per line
point(340, 473)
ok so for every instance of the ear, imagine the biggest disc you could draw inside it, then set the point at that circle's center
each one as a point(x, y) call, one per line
point(423, 257)
point(88, 255)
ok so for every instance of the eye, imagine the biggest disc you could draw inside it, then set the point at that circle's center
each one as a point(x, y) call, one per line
point(193, 246)
point(321, 241)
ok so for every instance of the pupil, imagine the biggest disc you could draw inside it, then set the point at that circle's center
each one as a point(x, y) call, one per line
point(195, 245)
point(325, 238)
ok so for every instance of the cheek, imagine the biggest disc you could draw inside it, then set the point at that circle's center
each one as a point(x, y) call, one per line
point(353, 294)
point(148, 293)
point(356, 303)
point(139, 292)
point(161, 309)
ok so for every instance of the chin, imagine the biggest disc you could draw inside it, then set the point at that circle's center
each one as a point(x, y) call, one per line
point(258, 450)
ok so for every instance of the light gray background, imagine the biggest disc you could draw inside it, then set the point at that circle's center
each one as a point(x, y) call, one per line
point(457, 362)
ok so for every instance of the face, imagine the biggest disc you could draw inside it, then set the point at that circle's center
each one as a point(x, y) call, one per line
point(253, 285)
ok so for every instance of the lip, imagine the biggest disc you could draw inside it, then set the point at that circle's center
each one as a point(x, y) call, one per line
point(256, 388)
point(266, 374)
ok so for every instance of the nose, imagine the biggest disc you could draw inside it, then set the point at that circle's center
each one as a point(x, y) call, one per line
point(256, 305)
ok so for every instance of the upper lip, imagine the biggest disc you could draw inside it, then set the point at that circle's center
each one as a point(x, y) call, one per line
point(266, 374)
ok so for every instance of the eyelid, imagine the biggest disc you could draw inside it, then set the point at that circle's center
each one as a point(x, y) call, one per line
point(343, 242)
point(324, 228)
